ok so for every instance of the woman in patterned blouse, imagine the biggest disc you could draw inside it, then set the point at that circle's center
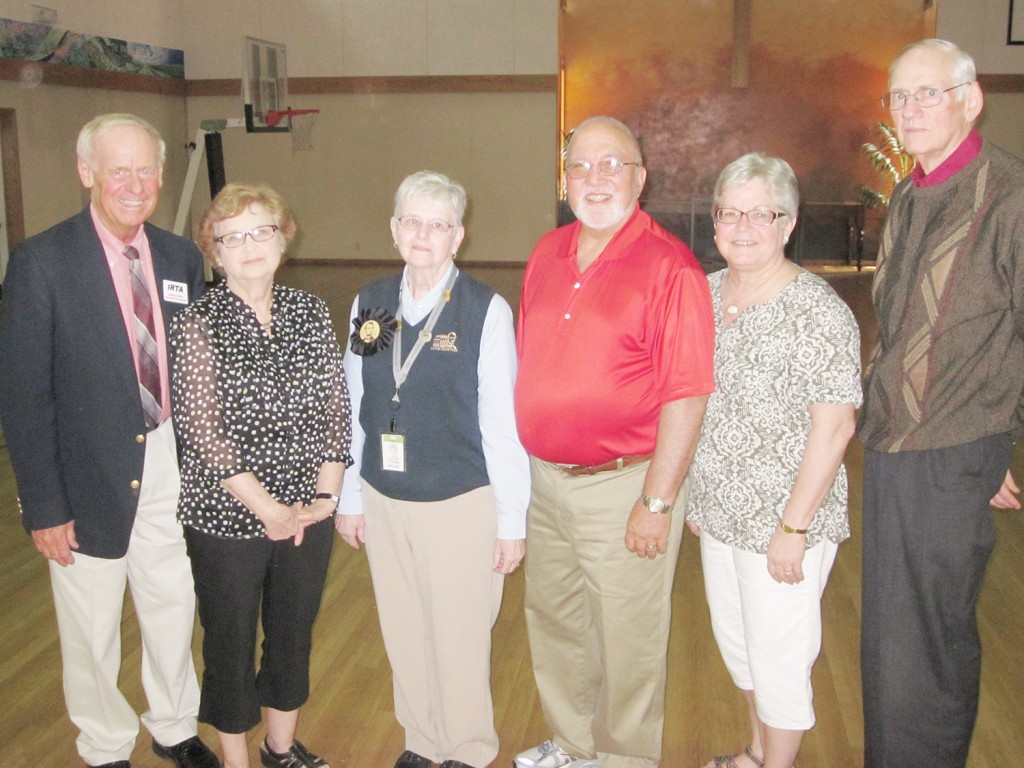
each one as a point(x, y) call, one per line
point(768, 495)
point(262, 416)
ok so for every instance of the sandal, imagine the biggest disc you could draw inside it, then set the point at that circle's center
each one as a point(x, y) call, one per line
point(729, 761)
point(296, 757)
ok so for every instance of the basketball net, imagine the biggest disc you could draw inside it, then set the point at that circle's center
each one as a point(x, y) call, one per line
point(300, 122)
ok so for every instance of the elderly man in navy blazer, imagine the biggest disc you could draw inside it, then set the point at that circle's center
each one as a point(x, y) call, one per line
point(85, 404)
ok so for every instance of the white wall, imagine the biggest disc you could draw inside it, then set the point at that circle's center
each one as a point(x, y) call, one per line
point(49, 119)
point(349, 38)
point(501, 147)
point(979, 27)
point(329, 38)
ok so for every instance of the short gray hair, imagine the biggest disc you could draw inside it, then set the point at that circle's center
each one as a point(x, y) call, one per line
point(961, 65)
point(612, 123)
point(775, 172)
point(433, 186)
point(100, 123)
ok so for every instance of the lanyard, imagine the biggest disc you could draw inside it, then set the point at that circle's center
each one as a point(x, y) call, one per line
point(400, 369)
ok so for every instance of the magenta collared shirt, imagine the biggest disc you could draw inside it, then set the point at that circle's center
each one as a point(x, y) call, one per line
point(952, 165)
point(113, 249)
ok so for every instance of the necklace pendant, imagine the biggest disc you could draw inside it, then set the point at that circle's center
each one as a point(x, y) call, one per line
point(732, 309)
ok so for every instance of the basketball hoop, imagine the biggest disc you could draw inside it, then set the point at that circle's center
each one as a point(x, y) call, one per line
point(300, 123)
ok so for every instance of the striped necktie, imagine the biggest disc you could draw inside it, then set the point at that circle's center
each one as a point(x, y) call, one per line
point(145, 341)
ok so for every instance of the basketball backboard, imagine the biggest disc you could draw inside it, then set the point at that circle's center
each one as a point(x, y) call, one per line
point(264, 83)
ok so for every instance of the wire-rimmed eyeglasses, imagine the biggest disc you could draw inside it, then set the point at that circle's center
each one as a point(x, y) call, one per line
point(610, 166)
point(925, 97)
point(434, 226)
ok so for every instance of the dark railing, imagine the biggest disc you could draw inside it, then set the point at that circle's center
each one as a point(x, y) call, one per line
point(826, 232)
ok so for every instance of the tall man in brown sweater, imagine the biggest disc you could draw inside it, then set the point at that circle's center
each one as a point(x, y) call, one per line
point(942, 407)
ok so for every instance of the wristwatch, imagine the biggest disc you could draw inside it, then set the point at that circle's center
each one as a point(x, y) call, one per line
point(655, 505)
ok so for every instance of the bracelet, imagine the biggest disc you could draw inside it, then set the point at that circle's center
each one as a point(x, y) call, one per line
point(329, 496)
point(787, 529)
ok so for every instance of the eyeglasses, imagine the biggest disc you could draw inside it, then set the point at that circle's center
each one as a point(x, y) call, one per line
point(259, 234)
point(925, 97)
point(759, 217)
point(610, 166)
point(434, 226)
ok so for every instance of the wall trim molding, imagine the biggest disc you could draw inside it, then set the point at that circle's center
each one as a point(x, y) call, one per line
point(1001, 83)
point(27, 72)
point(305, 86)
point(81, 77)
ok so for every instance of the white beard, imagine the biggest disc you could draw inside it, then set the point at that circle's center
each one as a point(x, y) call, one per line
point(602, 216)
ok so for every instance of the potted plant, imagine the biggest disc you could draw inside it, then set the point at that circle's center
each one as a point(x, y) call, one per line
point(891, 160)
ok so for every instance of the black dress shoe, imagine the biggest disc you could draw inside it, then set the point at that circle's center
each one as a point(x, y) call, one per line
point(115, 764)
point(190, 753)
point(411, 760)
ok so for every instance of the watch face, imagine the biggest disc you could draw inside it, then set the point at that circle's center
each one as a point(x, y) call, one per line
point(652, 503)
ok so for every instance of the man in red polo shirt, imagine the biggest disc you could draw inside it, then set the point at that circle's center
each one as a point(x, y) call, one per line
point(616, 347)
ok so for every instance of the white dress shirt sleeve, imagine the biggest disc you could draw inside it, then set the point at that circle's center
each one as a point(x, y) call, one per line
point(508, 466)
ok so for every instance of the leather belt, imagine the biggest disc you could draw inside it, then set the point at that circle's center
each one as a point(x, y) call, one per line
point(609, 466)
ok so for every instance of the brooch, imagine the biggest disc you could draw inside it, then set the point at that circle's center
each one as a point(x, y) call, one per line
point(374, 330)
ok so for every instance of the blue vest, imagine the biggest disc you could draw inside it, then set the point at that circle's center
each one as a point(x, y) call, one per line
point(439, 413)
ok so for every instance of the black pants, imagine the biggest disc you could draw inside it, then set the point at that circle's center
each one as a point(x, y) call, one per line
point(234, 579)
point(928, 535)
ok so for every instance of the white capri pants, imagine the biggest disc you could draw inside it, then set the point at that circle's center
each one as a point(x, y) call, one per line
point(769, 633)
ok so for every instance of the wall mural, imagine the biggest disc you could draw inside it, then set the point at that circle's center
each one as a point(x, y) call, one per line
point(814, 72)
point(28, 41)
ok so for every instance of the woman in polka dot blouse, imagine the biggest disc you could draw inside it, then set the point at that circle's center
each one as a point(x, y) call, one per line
point(261, 412)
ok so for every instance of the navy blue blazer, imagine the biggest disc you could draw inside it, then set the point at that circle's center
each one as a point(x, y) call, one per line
point(69, 395)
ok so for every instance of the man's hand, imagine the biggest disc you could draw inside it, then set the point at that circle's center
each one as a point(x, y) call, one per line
point(56, 543)
point(647, 532)
point(1006, 498)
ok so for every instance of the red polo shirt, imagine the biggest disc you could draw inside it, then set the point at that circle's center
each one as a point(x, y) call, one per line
point(601, 352)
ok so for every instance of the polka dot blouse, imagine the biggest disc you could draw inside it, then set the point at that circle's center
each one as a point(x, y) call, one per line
point(244, 401)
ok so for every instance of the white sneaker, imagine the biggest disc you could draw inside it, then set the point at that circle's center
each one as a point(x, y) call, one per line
point(548, 755)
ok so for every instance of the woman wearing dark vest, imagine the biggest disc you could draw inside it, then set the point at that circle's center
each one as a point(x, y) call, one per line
point(440, 486)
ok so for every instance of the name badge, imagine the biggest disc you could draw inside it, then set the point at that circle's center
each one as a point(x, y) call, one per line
point(175, 293)
point(392, 451)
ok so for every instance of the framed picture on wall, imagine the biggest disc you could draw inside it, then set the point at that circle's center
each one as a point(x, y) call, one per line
point(1015, 26)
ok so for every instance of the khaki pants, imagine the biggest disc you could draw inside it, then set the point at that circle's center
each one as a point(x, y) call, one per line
point(88, 596)
point(598, 616)
point(437, 598)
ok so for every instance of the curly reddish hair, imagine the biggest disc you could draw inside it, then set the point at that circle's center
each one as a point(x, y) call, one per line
point(234, 199)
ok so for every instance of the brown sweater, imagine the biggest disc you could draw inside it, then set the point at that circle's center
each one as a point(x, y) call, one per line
point(948, 367)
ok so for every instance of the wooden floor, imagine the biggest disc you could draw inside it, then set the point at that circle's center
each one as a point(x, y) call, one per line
point(349, 717)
